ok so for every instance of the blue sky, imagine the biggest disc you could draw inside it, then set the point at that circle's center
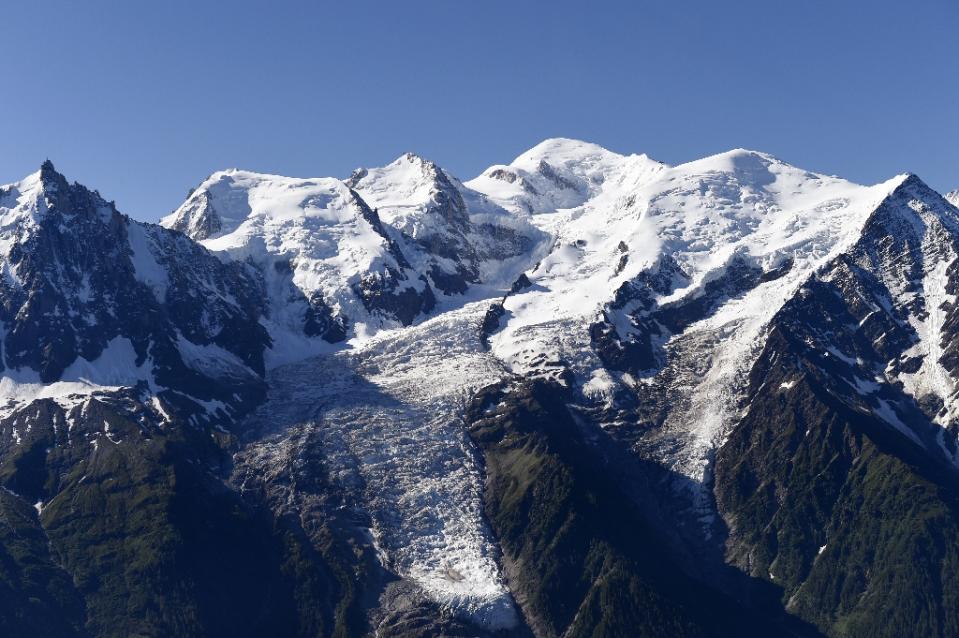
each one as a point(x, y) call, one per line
point(143, 100)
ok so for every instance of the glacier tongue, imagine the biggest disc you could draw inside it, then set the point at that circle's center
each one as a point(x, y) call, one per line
point(387, 418)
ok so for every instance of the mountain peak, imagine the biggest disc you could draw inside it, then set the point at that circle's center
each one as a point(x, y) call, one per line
point(559, 173)
point(408, 182)
point(47, 168)
point(407, 166)
point(741, 154)
point(222, 202)
point(953, 197)
point(562, 151)
point(740, 161)
point(912, 183)
point(48, 174)
point(918, 198)
point(565, 144)
point(413, 158)
point(36, 194)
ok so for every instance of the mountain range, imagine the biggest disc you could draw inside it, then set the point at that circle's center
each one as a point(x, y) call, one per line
point(582, 394)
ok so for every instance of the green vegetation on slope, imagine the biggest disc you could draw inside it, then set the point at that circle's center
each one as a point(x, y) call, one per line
point(579, 558)
point(859, 527)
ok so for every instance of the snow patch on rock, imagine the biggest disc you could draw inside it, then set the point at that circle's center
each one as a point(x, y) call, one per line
point(114, 369)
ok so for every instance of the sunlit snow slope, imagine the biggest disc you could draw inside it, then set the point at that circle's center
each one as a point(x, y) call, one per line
point(388, 416)
point(626, 219)
point(343, 260)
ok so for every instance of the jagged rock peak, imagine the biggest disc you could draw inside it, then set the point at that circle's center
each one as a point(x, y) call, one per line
point(27, 203)
point(47, 169)
point(406, 182)
point(927, 204)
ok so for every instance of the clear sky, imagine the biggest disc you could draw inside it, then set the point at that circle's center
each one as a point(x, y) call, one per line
point(143, 100)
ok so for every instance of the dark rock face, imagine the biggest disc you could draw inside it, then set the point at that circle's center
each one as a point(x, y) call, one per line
point(203, 223)
point(491, 322)
point(388, 294)
point(392, 291)
point(522, 283)
point(138, 533)
point(738, 277)
point(652, 323)
point(580, 557)
point(636, 299)
point(321, 322)
point(837, 485)
point(550, 173)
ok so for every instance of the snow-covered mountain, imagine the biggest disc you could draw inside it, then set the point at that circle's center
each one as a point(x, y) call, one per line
point(330, 267)
point(436, 406)
point(91, 299)
point(348, 259)
point(454, 235)
point(657, 264)
point(953, 197)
